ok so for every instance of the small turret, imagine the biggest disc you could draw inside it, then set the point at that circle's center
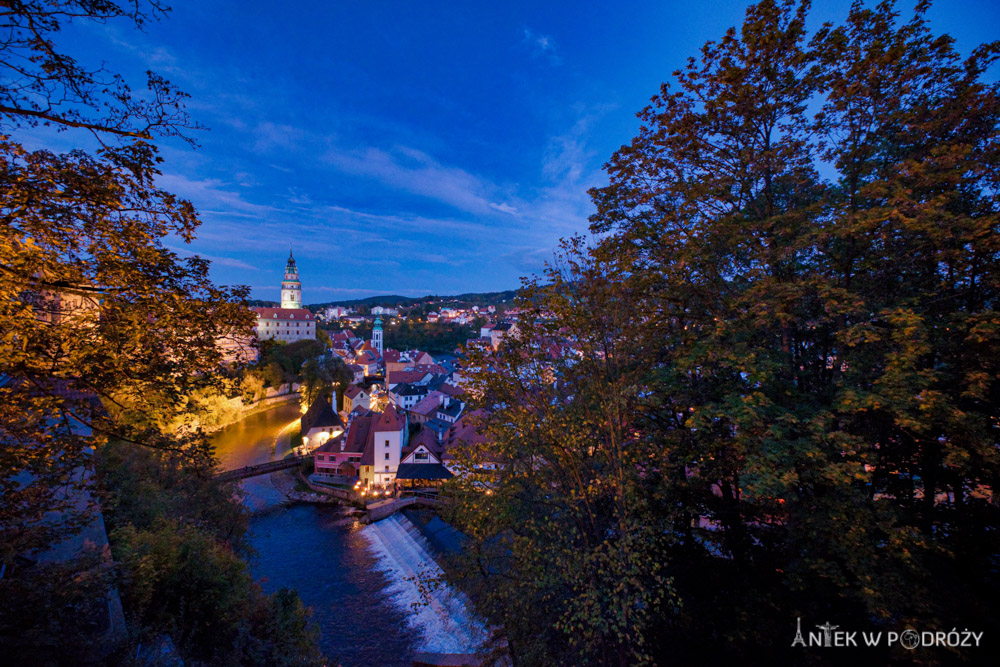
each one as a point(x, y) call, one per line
point(377, 335)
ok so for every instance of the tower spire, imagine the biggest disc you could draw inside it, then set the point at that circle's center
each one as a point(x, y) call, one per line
point(291, 288)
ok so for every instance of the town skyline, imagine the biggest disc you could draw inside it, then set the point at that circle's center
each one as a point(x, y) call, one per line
point(409, 149)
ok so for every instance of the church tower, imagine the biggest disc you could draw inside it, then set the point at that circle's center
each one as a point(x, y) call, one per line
point(377, 335)
point(291, 288)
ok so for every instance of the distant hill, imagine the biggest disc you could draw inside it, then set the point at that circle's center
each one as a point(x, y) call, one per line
point(258, 303)
point(471, 298)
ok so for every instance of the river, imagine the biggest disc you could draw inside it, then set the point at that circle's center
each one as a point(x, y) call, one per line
point(339, 567)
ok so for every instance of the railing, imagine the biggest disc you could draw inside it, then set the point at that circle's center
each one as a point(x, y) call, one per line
point(423, 495)
point(260, 469)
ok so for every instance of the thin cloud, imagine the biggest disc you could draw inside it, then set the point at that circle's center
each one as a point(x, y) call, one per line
point(541, 46)
point(413, 171)
point(208, 193)
point(503, 207)
point(269, 136)
point(223, 261)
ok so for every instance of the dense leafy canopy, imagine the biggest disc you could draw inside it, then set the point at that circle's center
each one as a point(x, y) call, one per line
point(788, 399)
point(178, 542)
point(95, 311)
point(106, 335)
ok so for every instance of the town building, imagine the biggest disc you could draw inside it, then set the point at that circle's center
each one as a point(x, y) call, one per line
point(291, 322)
point(354, 397)
point(421, 467)
point(383, 449)
point(237, 350)
point(319, 424)
point(500, 331)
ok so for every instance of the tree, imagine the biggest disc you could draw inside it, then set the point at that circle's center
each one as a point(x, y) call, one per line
point(289, 358)
point(178, 541)
point(106, 332)
point(562, 527)
point(815, 390)
point(324, 376)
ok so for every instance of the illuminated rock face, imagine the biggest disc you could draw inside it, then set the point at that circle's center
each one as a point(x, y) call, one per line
point(291, 288)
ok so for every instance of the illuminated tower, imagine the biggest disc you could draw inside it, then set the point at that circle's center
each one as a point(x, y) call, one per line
point(291, 288)
point(377, 335)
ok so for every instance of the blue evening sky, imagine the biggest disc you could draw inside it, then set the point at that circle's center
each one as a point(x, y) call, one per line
point(416, 147)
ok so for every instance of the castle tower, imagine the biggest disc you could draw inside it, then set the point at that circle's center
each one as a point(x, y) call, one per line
point(377, 335)
point(291, 288)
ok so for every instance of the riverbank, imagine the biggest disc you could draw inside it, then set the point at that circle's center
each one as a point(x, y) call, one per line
point(284, 480)
point(244, 411)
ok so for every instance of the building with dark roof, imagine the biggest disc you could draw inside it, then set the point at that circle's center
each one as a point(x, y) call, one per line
point(320, 423)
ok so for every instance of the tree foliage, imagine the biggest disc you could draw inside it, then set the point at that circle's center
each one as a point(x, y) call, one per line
point(105, 333)
point(324, 376)
point(434, 338)
point(94, 309)
point(178, 540)
point(788, 396)
point(282, 362)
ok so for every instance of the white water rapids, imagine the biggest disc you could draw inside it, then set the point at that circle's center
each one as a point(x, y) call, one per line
point(417, 587)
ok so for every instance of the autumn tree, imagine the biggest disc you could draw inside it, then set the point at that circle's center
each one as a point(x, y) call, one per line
point(553, 499)
point(804, 233)
point(106, 333)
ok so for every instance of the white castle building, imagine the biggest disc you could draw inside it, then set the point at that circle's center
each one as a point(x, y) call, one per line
point(291, 322)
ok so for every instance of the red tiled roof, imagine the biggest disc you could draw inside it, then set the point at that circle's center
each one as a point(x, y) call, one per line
point(358, 433)
point(399, 377)
point(331, 445)
point(450, 390)
point(464, 433)
point(429, 404)
point(352, 391)
point(429, 368)
point(389, 420)
point(365, 357)
point(284, 313)
point(390, 356)
point(428, 439)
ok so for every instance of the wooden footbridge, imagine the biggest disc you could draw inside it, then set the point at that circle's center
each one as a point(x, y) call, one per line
point(260, 469)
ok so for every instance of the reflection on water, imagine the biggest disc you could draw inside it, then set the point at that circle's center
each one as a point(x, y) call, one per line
point(247, 442)
point(317, 551)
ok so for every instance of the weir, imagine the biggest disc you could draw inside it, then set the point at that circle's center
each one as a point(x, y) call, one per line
point(417, 585)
